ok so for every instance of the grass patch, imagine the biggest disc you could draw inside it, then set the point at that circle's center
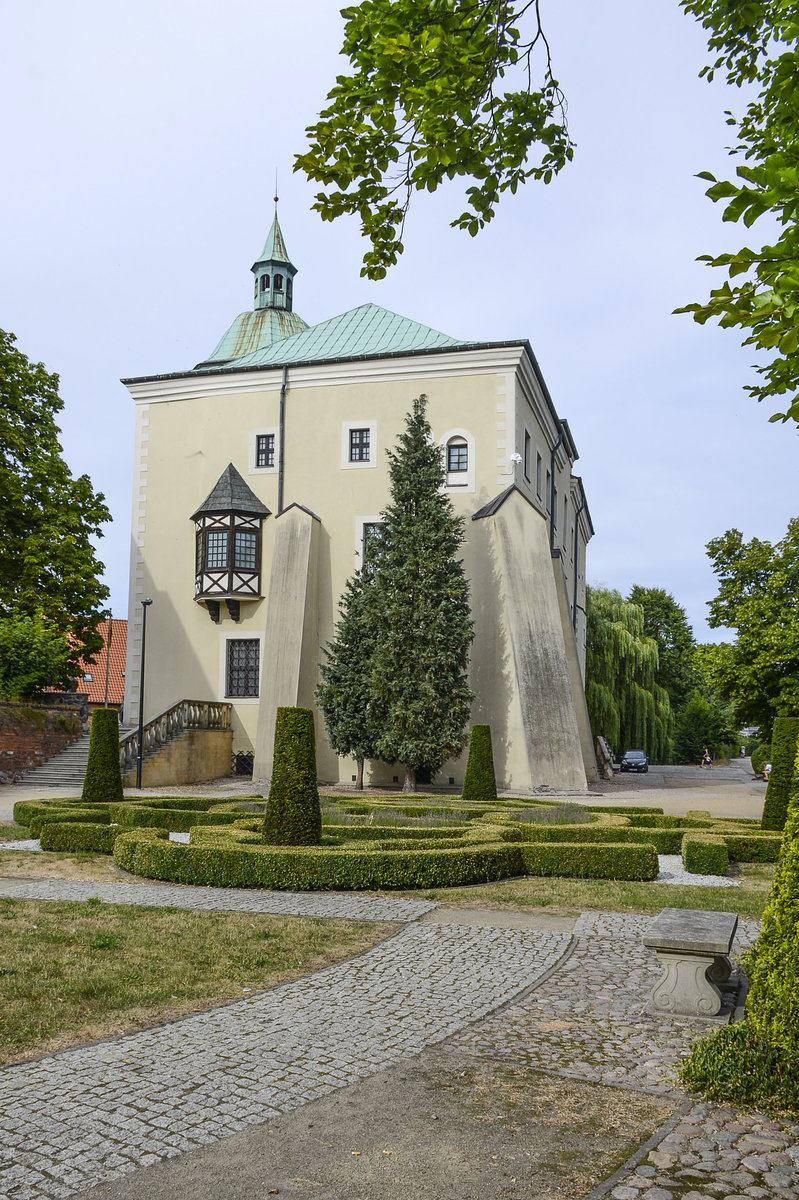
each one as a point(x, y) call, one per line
point(40, 864)
point(609, 895)
point(10, 832)
point(561, 814)
point(75, 972)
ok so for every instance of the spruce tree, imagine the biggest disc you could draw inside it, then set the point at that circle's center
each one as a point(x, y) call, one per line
point(345, 693)
point(418, 609)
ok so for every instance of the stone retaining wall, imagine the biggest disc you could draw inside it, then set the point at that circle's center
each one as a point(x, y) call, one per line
point(32, 733)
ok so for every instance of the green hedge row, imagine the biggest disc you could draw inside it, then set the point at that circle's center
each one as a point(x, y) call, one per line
point(665, 841)
point(610, 861)
point(26, 811)
point(98, 839)
point(67, 816)
point(752, 847)
point(231, 863)
point(670, 822)
point(174, 820)
point(704, 854)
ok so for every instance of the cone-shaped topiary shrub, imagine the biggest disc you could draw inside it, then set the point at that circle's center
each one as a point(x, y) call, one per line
point(783, 750)
point(293, 816)
point(753, 1063)
point(480, 783)
point(103, 780)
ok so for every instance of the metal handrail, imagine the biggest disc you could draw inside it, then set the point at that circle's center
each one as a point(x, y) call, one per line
point(170, 724)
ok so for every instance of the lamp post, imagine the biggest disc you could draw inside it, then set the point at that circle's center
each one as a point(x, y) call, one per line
point(145, 604)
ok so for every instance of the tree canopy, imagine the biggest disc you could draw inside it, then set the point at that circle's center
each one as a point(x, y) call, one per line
point(625, 703)
point(757, 44)
point(758, 585)
point(439, 89)
point(48, 567)
point(666, 622)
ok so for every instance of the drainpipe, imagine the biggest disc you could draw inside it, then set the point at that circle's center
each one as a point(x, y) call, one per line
point(552, 514)
point(282, 439)
point(576, 559)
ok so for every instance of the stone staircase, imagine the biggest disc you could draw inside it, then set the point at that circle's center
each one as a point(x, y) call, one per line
point(65, 769)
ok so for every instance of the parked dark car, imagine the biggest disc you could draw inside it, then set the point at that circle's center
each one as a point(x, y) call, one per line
point(635, 760)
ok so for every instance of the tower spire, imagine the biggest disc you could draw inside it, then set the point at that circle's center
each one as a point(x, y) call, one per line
point(274, 271)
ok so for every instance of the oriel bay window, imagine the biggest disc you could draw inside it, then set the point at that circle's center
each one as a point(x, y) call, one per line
point(228, 545)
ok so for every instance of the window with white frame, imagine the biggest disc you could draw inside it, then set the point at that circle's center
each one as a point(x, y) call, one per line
point(458, 457)
point(264, 451)
point(358, 444)
point(241, 667)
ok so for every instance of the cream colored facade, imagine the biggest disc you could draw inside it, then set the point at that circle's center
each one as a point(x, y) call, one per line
point(527, 577)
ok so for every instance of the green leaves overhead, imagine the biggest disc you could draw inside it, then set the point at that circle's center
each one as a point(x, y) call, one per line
point(758, 44)
point(48, 566)
point(758, 586)
point(430, 99)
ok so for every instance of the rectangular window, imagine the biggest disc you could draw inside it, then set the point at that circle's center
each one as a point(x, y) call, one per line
point(565, 518)
point(216, 550)
point(246, 555)
point(265, 450)
point(539, 465)
point(527, 455)
point(458, 456)
point(359, 445)
point(555, 507)
point(371, 541)
point(241, 676)
point(548, 497)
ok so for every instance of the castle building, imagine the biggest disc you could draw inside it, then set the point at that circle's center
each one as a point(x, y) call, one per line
point(257, 476)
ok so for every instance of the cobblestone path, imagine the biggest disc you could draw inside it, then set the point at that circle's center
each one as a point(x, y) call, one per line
point(348, 906)
point(76, 1119)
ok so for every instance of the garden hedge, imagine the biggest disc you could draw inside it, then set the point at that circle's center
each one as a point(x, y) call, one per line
point(98, 839)
point(103, 779)
point(778, 793)
point(293, 815)
point(174, 820)
point(611, 861)
point(704, 854)
point(761, 756)
point(479, 782)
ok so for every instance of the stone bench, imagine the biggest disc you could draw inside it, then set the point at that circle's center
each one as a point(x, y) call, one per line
point(693, 948)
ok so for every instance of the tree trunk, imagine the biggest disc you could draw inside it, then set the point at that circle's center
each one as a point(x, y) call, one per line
point(359, 775)
point(409, 784)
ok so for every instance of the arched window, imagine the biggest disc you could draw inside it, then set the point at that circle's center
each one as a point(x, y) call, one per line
point(264, 282)
point(278, 283)
point(457, 455)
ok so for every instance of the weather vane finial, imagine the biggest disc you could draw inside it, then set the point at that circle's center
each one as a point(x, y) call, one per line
point(276, 195)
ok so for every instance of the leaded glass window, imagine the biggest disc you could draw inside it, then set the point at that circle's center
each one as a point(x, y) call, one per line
point(246, 554)
point(242, 667)
point(215, 549)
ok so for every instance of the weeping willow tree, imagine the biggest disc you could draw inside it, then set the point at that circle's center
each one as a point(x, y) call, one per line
point(625, 704)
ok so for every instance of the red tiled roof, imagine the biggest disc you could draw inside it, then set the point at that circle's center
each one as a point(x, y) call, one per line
point(95, 687)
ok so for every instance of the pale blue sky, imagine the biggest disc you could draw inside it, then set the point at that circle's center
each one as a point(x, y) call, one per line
point(140, 145)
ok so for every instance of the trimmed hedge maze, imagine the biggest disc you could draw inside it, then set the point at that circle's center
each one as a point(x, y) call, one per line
point(385, 843)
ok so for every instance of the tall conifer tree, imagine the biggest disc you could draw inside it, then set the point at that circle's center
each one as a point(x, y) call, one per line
point(345, 693)
point(418, 606)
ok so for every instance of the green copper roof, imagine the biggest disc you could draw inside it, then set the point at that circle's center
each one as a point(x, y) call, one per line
point(254, 331)
point(358, 333)
point(274, 247)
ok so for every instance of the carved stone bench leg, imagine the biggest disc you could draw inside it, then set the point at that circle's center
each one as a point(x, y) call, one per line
point(690, 983)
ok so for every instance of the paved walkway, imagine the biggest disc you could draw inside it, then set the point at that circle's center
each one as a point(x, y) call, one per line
point(565, 1001)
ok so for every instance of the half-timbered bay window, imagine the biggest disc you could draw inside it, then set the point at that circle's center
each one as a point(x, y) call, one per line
point(228, 545)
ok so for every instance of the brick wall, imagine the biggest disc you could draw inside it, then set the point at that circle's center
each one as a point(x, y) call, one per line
point(31, 733)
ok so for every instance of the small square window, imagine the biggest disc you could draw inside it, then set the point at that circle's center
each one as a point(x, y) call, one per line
point(265, 450)
point(216, 550)
point(359, 445)
point(457, 456)
point(241, 676)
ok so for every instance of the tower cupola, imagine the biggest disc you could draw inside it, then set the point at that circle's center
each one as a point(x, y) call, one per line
point(274, 272)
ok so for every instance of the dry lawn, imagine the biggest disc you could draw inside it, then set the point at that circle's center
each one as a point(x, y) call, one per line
point(78, 972)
